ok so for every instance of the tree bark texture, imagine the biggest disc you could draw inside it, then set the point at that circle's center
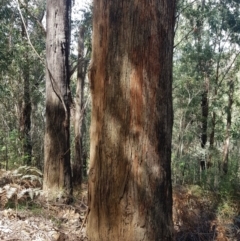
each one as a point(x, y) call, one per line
point(57, 169)
point(130, 192)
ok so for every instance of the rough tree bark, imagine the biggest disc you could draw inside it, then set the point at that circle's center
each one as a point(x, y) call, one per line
point(130, 192)
point(57, 169)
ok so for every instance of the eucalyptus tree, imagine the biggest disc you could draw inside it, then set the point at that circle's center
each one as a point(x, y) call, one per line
point(26, 107)
point(206, 50)
point(18, 78)
point(191, 86)
point(130, 193)
point(57, 169)
point(9, 125)
point(33, 37)
point(81, 99)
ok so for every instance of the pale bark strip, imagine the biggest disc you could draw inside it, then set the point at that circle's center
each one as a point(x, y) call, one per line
point(79, 111)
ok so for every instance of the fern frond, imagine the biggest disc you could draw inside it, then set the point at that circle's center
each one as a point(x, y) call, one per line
point(11, 190)
point(29, 170)
point(32, 178)
point(22, 193)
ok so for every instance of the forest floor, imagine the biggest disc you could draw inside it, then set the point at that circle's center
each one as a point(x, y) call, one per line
point(42, 221)
point(197, 214)
point(201, 215)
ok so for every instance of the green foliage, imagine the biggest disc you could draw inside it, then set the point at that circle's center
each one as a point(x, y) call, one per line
point(13, 66)
point(14, 47)
point(206, 57)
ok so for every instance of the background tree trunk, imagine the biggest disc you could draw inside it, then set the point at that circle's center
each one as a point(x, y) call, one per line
point(26, 108)
point(205, 108)
point(57, 169)
point(130, 192)
point(228, 127)
point(79, 111)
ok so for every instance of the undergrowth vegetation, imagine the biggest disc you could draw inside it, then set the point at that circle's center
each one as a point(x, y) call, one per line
point(20, 186)
point(200, 212)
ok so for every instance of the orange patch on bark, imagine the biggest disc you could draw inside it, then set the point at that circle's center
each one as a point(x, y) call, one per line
point(136, 100)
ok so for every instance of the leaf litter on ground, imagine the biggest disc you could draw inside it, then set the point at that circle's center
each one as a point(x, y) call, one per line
point(197, 214)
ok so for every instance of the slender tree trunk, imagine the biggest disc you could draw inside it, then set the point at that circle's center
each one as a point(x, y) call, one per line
point(130, 192)
point(26, 110)
point(213, 117)
point(212, 137)
point(205, 111)
point(79, 111)
point(228, 128)
point(57, 169)
point(202, 72)
point(212, 133)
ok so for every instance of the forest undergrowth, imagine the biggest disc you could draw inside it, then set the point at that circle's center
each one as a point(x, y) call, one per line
point(204, 215)
point(198, 214)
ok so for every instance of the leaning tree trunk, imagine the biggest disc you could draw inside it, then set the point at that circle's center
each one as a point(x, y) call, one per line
point(57, 169)
point(130, 192)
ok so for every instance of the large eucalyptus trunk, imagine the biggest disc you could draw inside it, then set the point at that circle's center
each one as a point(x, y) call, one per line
point(130, 192)
point(57, 169)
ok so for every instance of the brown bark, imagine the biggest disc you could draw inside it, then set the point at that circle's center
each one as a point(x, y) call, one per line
point(130, 192)
point(57, 169)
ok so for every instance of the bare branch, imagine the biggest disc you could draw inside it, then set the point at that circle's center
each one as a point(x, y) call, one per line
point(185, 37)
point(28, 38)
